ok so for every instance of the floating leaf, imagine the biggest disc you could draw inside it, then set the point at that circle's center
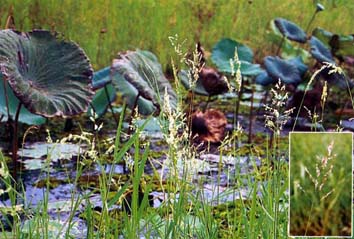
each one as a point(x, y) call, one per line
point(138, 75)
point(56, 151)
point(25, 116)
point(281, 69)
point(320, 52)
point(50, 76)
point(102, 99)
point(290, 30)
point(101, 78)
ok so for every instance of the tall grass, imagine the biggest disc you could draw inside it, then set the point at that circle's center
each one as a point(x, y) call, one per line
point(147, 24)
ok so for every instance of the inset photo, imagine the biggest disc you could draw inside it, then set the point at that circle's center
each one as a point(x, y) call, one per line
point(321, 184)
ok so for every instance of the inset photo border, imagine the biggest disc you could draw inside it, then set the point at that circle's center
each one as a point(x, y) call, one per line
point(320, 184)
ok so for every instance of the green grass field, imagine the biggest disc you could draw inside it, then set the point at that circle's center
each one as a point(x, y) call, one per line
point(147, 24)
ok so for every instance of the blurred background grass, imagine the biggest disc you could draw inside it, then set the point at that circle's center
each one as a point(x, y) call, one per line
point(334, 213)
point(147, 24)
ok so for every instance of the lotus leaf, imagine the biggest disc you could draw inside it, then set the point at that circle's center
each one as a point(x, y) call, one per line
point(281, 69)
point(50, 76)
point(101, 100)
point(320, 52)
point(297, 61)
point(138, 75)
point(199, 88)
point(290, 30)
point(264, 79)
point(224, 50)
point(342, 45)
point(25, 116)
point(101, 78)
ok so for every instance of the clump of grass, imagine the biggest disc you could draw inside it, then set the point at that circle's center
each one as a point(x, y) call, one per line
point(320, 199)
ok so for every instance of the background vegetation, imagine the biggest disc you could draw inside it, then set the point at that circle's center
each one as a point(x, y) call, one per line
point(147, 24)
point(331, 216)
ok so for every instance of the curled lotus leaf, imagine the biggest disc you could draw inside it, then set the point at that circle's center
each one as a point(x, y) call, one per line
point(101, 78)
point(320, 52)
point(290, 30)
point(139, 76)
point(50, 76)
point(278, 68)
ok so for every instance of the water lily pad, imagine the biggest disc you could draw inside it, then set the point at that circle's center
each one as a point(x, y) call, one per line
point(50, 76)
point(138, 75)
point(55, 151)
point(25, 116)
point(281, 69)
point(290, 30)
point(320, 52)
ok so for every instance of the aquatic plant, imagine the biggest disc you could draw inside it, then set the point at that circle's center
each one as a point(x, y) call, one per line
point(48, 75)
point(141, 81)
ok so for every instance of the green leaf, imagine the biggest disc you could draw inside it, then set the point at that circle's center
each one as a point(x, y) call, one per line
point(101, 78)
point(342, 45)
point(224, 50)
point(50, 76)
point(281, 69)
point(102, 99)
point(25, 116)
point(290, 30)
point(198, 89)
point(138, 73)
point(320, 52)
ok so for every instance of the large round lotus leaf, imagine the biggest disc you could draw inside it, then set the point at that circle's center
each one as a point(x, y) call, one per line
point(320, 52)
point(138, 73)
point(264, 79)
point(290, 30)
point(50, 76)
point(198, 89)
point(224, 50)
point(297, 61)
point(101, 78)
point(25, 116)
point(102, 99)
point(281, 69)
